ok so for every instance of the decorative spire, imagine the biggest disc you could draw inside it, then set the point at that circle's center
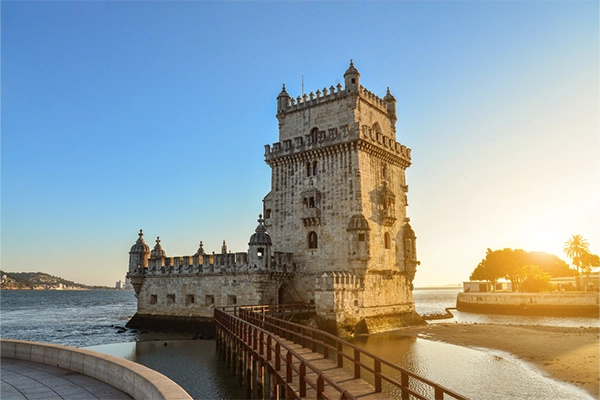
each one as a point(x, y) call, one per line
point(283, 93)
point(158, 251)
point(388, 96)
point(200, 249)
point(351, 70)
point(224, 248)
point(141, 237)
point(261, 224)
point(140, 246)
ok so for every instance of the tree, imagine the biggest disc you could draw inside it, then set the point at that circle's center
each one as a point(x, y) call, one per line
point(487, 269)
point(510, 264)
point(533, 279)
point(574, 248)
point(588, 261)
point(550, 264)
point(501, 264)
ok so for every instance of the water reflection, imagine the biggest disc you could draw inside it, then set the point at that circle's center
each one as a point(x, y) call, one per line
point(472, 373)
point(193, 364)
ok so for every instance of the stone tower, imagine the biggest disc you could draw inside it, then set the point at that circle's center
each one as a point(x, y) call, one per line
point(338, 202)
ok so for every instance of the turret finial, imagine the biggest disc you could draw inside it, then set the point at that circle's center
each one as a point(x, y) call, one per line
point(200, 249)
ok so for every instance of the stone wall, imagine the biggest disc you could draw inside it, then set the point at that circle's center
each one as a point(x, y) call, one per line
point(132, 378)
point(530, 303)
point(198, 296)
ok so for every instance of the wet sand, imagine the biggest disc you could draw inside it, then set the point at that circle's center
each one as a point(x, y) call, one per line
point(567, 354)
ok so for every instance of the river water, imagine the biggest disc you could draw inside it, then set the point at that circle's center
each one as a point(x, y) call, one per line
point(94, 319)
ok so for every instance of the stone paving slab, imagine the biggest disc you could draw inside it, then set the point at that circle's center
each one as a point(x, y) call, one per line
point(32, 381)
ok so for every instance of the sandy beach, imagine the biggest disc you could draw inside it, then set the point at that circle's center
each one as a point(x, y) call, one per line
point(567, 354)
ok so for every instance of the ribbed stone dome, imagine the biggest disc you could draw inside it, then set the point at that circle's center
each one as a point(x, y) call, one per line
point(283, 93)
point(140, 246)
point(358, 223)
point(389, 96)
point(261, 236)
point(351, 70)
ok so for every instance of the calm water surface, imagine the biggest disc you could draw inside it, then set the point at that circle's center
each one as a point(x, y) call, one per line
point(70, 317)
point(93, 318)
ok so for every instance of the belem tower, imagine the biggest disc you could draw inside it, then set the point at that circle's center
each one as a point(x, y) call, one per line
point(333, 232)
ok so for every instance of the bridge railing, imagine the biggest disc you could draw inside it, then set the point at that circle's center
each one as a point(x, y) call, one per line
point(274, 310)
point(269, 346)
point(343, 353)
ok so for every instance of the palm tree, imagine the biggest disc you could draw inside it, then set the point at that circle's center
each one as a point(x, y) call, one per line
point(574, 248)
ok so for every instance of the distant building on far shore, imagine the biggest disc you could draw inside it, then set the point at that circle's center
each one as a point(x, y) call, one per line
point(124, 285)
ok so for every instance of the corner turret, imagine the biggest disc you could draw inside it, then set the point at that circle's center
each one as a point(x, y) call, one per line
point(259, 252)
point(139, 253)
point(138, 262)
point(283, 100)
point(390, 104)
point(410, 252)
point(352, 79)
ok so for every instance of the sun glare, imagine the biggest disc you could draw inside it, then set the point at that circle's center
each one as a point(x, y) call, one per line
point(543, 238)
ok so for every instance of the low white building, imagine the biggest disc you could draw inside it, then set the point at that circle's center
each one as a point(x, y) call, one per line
point(485, 286)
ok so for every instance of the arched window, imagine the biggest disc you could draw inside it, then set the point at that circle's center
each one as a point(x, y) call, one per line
point(308, 169)
point(313, 241)
point(315, 170)
point(387, 241)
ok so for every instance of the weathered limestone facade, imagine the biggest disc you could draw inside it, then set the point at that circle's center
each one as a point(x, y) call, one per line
point(338, 234)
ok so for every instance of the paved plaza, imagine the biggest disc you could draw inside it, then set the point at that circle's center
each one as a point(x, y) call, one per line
point(29, 380)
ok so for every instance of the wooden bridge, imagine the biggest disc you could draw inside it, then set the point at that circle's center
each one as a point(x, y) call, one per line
point(278, 359)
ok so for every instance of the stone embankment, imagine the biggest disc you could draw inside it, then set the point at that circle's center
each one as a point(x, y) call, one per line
point(132, 378)
point(569, 304)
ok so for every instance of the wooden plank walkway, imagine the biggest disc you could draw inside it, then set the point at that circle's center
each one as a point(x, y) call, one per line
point(279, 359)
point(358, 388)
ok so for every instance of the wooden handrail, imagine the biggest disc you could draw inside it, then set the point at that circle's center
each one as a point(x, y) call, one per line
point(258, 316)
point(244, 330)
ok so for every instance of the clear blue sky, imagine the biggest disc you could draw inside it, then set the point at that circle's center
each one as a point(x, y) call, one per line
point(118, 116)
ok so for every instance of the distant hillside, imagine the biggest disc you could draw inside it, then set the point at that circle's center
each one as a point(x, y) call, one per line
point(40, 281)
